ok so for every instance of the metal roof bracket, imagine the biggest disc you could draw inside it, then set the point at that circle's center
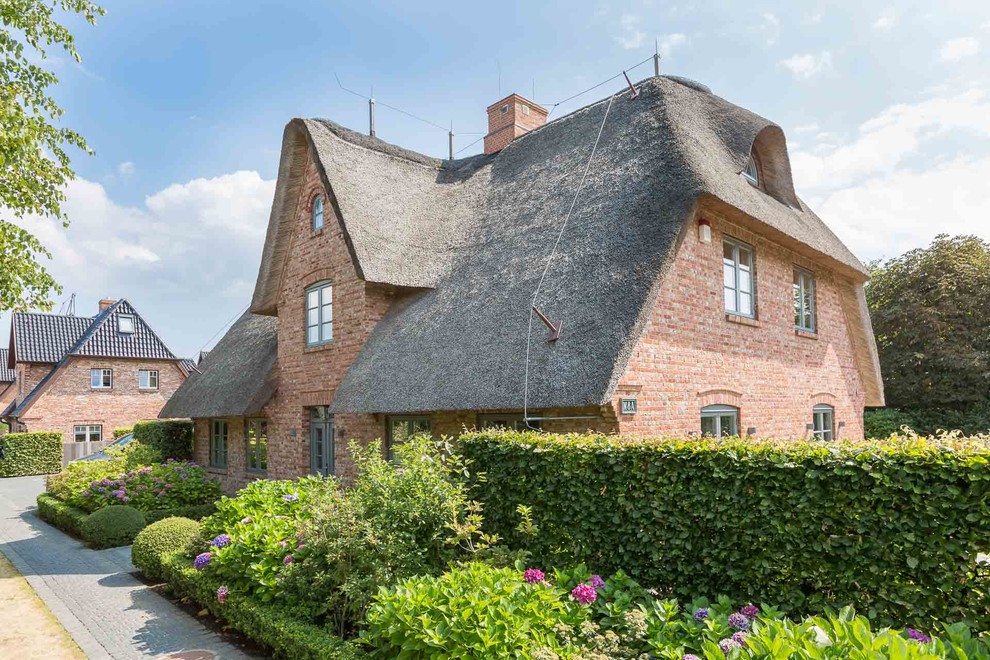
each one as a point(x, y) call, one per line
point(555, 328)
point(635, 92)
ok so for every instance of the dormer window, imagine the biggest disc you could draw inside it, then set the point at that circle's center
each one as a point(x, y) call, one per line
point(752, 171)
point(318, 212)
point(125, 324)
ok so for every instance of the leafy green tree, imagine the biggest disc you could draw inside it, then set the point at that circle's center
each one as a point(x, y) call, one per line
point(931, 314)
point(34, 165)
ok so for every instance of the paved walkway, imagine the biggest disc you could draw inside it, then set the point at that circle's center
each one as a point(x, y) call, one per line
point(108, 611)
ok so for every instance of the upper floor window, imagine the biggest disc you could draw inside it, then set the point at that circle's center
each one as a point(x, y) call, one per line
point(804, 300)
point(147, 379)
point(218, 443)
point(752, 170)
point(318, 212)
point(737, 276)
point(125, 324)
point(719, 421)
point(101, 379)
point(319, 314)
point(823, 422)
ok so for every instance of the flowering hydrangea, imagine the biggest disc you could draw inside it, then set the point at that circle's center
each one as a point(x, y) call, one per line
point(201, 560)
point(750, 611)
point(289, 559)
point(291, 497)
point(534, 575)
point(728, 644)
point(584, 593)
point(246, 520)
point(701, 614)
point(597, 582)
point(690, 656)
point(918, 636)
point(222, 594)
point(740, 636)
point(221, 541)
point(739, 621)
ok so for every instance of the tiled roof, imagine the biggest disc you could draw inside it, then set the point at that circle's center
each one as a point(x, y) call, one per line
point(6, 374)
point(104, 338)
point(46, 337)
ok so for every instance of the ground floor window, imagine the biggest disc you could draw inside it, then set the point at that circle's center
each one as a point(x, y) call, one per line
point(719, 421)
point(88, 433)
point(510, 421)
point(320, 441)
point(256, 437)
point(823, 422)
point(218, 443)
point(400, 429)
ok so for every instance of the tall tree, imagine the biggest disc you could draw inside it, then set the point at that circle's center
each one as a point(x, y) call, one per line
point(34, 165)
point(931, 314)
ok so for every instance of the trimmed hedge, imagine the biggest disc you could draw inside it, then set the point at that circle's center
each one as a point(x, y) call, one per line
point(892, 527)
point(884, 422)
point(57, 513)
point(159, 539)
point(266, 624)
point(30, 453)
point(172, 437)
point(120, 433)
point(112, 526)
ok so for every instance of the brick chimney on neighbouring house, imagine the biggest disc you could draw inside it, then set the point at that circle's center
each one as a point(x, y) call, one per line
point(509, 118)
point(105, 303)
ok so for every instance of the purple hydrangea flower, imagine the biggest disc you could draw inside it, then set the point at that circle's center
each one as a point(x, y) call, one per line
point(246, 521)
point(701, 614)
point(289, 559)
point(750, 611)
point(918, 636)
point(690, 656)
point(221, 541)
point(534, 575)
point(740, 636)
point(222, 594)
point(739, 621)
point(85, 493)
point(597, 582)
point(728, 644)
point(201, 560)
point(291, 497)
point(584, 593)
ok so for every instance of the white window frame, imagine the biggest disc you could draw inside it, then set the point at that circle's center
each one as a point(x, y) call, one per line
point(101, 379)
point(717, 413)
point(153, 375)
point(524, 109)
point(323, 314)
point(120, 324)
point(804, 292)
point(219, 443)
point(737, 269)
point(88, 432)
point(752, 170)
point(316, 212)
point(823, 422)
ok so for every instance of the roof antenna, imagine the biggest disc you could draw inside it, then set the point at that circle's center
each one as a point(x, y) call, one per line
point(450, 140)
point(68, 307)
point(371, 113)
point(656, 60)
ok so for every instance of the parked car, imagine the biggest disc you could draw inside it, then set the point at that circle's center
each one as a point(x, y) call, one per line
point(102, 455)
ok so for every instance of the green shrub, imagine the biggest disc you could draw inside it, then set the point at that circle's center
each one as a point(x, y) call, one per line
point(135, 454)
point(970, 420)
point(172, 437)
point(192, 511)
point(892, 527)
point(159, 539)
point(69, 484)
point(67, 518)
point(168, 485)
point(112, 526)
point(120, 433)
point(25, 454)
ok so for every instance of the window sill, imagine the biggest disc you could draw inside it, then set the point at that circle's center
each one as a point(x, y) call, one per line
point(317, 347)
point(805, 333)
point(742, 320)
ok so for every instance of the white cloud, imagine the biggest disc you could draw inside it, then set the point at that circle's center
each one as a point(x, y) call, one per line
point(807, 128)
point(808, 65)
point(669, 42)
point(632, 36)
point(954, 50)
point(770, 27)
point(886, 20)
point(126, 168)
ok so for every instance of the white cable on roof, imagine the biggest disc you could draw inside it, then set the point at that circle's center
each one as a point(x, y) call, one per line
point(553, 251)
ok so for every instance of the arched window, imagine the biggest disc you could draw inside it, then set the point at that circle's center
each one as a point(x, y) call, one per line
point(823, 422)
point(318, 212)
point(719, 421)
point(752, 171)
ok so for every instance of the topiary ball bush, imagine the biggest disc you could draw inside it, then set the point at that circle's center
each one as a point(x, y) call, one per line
point(112, 526)
point(160, 539)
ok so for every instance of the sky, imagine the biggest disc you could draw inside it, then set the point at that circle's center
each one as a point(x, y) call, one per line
point(886, 109)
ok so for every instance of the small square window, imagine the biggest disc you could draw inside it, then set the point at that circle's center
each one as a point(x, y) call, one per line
point(629, 406)
point(101, 379)
point(147, 379)
point(504, 109)
point(524, 108)
point(88, 433)
point(125, 324)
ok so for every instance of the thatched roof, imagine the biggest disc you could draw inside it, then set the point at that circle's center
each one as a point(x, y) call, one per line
point(237, 378)
point(471, 238)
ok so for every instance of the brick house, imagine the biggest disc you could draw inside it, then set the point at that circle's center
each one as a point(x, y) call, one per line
point(85, 376)
point(696, 292)
point(7, 388)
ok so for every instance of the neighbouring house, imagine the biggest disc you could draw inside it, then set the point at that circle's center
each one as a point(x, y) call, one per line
point(693, 291)
point(85, 376)
point(7, 389)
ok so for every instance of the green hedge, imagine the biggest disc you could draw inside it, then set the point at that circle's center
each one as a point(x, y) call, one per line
point(112, 526)
point(891, 527)
point(264, 623)
point(884, 422)
point(172, 437)
point(30, 453)
point(193, 511)
point(160, 539)
point(67, 518)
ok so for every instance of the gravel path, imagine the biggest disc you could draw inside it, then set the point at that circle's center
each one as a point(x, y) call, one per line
point(108, 611)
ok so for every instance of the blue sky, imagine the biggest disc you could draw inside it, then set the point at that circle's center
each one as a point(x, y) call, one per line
point(885, 107)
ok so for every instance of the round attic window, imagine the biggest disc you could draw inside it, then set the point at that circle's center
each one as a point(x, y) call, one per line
point(752, 170)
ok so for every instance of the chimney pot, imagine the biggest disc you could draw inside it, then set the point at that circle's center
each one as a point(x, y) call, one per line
point(105, 303)
point(509, 118)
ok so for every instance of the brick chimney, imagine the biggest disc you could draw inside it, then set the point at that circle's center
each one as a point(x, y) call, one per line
point(509, 118)
point(105, 303)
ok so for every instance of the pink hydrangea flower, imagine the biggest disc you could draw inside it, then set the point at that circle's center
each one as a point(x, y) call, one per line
point(584, 593)
point(534, 575)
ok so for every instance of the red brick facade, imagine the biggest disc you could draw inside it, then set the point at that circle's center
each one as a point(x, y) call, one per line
point(509, 118)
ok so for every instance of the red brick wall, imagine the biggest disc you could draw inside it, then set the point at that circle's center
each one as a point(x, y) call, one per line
point(504, 128)
point(29, 374)
point(8, 392)
point(690, 356)
point(68, 399)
